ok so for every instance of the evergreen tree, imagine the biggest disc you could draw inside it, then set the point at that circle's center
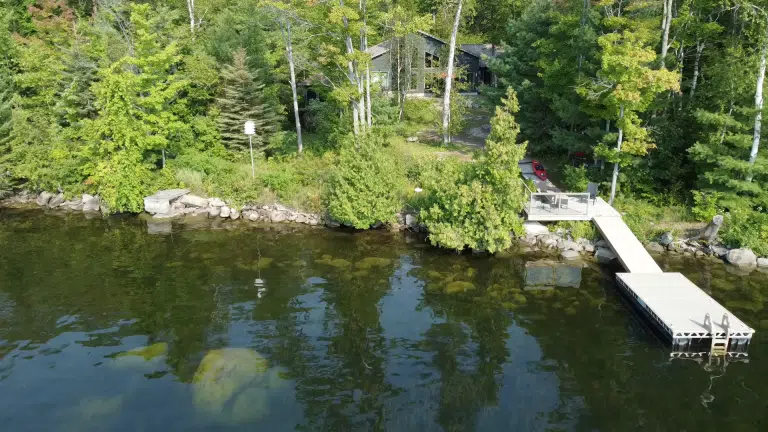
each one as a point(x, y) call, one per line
point(242, 100)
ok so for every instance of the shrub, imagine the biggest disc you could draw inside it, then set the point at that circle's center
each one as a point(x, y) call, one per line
point(422, 111)
point(477, 205)
point(575, 178)
point(705, 205)
point(365, 186)
point(746, 229)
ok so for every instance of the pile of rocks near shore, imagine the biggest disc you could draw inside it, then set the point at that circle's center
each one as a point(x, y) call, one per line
point(85, 202)
point(538, 237)
point(743, 257)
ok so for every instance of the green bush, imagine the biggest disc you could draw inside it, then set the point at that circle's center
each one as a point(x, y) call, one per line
point(478, 204)
point(421, 111)
point(366, 183)
point(746, 229)
point(706, 205)
point(575, 178)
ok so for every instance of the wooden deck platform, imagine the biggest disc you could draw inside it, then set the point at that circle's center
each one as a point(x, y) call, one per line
point(682, 311)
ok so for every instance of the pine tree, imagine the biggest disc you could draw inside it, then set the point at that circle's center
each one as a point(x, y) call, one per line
point(242, 100)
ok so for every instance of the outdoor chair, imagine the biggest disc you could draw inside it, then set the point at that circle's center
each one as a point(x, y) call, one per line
point(592, 191)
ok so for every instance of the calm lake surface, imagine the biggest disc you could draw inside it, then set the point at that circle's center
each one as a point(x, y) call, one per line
point(108, 324)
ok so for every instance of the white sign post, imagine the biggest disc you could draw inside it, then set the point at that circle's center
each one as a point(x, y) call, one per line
point(250, 130)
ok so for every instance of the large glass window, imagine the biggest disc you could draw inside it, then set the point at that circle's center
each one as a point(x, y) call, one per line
point(431, 60)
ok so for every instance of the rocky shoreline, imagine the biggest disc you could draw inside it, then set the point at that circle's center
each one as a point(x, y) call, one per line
point(166, 206)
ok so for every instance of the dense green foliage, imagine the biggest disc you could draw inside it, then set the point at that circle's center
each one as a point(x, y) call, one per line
point(478, 205)
point(367, 185)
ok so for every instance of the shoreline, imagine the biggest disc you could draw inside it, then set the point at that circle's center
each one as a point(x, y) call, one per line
point(195, 212)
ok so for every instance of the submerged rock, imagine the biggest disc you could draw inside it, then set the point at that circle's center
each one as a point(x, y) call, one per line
point(147, 352)
point(569, 255)
point(232, 384)
point(369, 262)
point(459, 286)
point(334, 262)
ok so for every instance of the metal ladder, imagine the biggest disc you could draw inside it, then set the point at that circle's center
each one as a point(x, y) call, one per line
point(719, 344)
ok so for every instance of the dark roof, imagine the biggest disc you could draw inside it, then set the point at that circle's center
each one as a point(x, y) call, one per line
point(475, 50)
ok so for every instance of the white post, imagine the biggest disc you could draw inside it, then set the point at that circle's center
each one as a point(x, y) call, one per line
point(250, 130)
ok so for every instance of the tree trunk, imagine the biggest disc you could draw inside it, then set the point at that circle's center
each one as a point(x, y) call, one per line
point(666, 23)
point(758, 109)
point(291, 68)
point(351, 74)
point(364, 48)
point(615, 176)
point(696, 62)
point(191, 10)
point(449, 76)
point(368, 95)
point(582, 25)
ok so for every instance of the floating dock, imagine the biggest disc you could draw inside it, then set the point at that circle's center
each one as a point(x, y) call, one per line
point(687, 317)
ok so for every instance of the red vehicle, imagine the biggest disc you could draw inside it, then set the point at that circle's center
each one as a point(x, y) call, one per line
point(539, 170)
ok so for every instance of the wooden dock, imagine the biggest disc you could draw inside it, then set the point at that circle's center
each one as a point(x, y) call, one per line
point(687, 317)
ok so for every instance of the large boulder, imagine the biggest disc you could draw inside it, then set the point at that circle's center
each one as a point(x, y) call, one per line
point(225, 212)
point(277, 216)
point(563, 244)
point(741, 257)
point(190, 200)
point(762, 262)
point(43, 198)
point(411, 221)
point(533, 229)
point(253, 216)
point(91, 203)
point(232, 385)
point(604, 255)
point(214, 211)
point(234, 214)
point(587, 245)
point(56, 200)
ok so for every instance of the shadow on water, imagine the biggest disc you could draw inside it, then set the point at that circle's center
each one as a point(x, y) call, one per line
point(120, 324)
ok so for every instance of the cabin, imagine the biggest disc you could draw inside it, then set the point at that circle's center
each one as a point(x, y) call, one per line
point(427, 66)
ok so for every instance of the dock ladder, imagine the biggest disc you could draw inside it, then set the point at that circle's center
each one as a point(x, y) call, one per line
point(719, 343)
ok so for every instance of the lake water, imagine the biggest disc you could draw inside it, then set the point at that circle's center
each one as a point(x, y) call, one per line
point(106, 324)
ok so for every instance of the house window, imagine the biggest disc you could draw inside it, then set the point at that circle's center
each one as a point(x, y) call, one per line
point(431, 60)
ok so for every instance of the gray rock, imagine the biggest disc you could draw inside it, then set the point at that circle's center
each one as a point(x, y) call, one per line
point(412, 139)
point(225, 211)
point(604, 255)
point(190, 200)
point(103, 208)
point(569, 245)
point(43, 198)
point(277, 216)
point(741, 257)
point(548, 241)
point(411, 221)
point(214, 211)
point(533, 229)
point(332, 223)
point(718, 251)
point(315, 220)
point(292, 216)
point(301, 218)
point(234, 214)
point(762, 262)
point(666, 239)
point(160, 202)
point(216, 202)
point(86, 197)
point(569, 255)
point(655, 247)
point(253, 216)
point(709, 233)
point(601, 244)
point(177, 206)
point(92, 204)
point(56, 200)
point(699, 253)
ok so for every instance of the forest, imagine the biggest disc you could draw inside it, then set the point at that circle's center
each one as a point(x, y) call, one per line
point(123, 98)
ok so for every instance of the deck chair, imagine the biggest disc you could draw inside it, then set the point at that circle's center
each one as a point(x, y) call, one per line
point(563, 201)
point(592, 191)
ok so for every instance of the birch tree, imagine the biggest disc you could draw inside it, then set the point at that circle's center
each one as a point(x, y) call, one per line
point(449, 75)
